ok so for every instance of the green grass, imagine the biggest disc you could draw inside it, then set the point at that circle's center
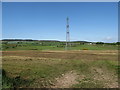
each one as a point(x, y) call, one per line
point(39, 72)
point(35, 68)
point(9, 82)
point(95, 47)
point(88, 83)
point(80, 47)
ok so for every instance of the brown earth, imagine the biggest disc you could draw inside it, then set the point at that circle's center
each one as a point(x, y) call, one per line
point(109, 79)
point(83, 54)
point(66, 81)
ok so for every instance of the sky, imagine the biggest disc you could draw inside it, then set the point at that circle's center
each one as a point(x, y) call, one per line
point(88, 21)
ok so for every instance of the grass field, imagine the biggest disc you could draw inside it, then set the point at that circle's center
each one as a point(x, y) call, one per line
point(61, 69)
point(78, 47)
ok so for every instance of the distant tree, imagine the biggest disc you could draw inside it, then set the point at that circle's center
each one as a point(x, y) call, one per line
point(110, 43)
point(99, 43)
point(118, 43)
point(5, 42)
point(19, 42)
point(6, 47)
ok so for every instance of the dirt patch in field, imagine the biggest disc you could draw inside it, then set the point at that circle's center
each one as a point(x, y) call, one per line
point(66, 81)
point(110, 80)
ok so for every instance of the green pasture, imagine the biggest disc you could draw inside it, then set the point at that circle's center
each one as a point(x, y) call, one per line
point(78, 47)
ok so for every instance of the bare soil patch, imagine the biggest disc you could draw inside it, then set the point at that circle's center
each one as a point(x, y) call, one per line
point(66, 81)
point(110, 80)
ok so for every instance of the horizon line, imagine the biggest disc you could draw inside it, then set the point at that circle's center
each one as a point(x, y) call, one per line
point(57, 40)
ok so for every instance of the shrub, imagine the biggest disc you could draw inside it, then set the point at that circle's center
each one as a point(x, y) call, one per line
point(84, 49)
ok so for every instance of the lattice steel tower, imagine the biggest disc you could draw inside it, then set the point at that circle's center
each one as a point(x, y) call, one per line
point(67, 34)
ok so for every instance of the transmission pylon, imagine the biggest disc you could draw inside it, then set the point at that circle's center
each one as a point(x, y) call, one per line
point(67, 35)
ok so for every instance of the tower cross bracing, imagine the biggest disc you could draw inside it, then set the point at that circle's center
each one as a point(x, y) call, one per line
point(67, 34)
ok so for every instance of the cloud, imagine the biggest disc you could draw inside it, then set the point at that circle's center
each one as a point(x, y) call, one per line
point(109, 39)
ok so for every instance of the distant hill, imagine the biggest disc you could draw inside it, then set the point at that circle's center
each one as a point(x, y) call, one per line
point(82, 42)
point(43, 40)
point(17, 40)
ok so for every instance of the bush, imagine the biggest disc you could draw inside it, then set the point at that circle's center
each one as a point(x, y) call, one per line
point(10, 82)
point(34, 49)
point(84, 49)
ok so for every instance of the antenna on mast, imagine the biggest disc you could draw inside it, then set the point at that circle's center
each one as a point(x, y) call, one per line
point(67, 34)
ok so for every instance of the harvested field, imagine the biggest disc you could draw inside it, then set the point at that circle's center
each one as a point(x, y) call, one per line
point(91, 55)
point(62, 69)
